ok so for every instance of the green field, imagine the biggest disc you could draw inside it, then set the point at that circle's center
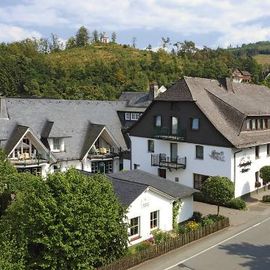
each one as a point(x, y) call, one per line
point(263, 59)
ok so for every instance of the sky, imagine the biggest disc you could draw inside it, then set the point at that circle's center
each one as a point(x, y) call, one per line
point(212, 23)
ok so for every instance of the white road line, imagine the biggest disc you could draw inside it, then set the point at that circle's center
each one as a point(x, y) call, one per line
point(205, 250)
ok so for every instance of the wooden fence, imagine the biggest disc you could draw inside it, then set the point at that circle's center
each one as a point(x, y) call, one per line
point(157, 250)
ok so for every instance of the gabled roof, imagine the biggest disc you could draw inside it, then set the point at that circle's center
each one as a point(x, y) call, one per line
point(15, 137)
point(63, 118)
point(91, 136)
point(18, 134)
point(226, 104)
point(136, 99)
point(168, 187)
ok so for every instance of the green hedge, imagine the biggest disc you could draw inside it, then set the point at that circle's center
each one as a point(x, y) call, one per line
point(266, 198)
point(236, 203)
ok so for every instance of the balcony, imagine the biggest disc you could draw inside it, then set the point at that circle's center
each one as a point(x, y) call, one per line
point(166, 134)
point(26, 159)
point(102, 153)
point(162, 160)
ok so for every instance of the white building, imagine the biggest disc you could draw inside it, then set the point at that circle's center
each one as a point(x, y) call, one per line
point(202, 127)
point(149, 200)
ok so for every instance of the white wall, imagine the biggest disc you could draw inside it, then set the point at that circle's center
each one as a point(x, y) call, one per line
point(186, 209)
point(245, 181)
point(146, 203)
point(207, 166)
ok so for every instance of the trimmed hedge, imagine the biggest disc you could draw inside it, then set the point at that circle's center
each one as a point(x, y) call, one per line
point(236, 203)
point(266, 198)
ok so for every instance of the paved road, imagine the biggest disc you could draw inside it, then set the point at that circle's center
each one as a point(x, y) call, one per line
point(245, 245)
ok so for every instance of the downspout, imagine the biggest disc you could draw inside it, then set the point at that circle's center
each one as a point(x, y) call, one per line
point(234, 162)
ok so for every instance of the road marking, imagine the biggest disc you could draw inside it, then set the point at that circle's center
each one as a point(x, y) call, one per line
point(220, 243)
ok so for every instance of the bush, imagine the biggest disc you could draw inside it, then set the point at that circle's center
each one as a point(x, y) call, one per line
point(265, 174)
point(143, 246)
point(215, 218)
point(207, 221)
point(237, 203)
point(160, 236)
point(197, 216)
point(182, 229)
point(266, 198)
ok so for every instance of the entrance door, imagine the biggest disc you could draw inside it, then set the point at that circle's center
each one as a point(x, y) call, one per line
point(162, 173)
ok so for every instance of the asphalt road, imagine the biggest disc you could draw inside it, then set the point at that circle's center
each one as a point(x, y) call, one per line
point(245, 246)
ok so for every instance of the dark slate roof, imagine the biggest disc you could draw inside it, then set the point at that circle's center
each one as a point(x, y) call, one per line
point(168, 187)
point(64, 118)
point(136, 99)
point(16, 135)
point(226, 104)
point(125, 191)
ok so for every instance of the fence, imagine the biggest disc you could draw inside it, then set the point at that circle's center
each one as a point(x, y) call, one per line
point(157, 250)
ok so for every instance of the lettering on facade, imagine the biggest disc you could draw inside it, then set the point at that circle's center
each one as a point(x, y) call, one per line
point(244, 164)
point(217, 155)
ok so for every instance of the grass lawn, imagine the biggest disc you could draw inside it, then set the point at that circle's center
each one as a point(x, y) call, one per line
point(263, 59)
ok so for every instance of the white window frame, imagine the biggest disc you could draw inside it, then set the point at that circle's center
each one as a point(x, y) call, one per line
point(134, 226)
point(154, 220)
point(127, 116)
point(158, 121)
point(134, 116)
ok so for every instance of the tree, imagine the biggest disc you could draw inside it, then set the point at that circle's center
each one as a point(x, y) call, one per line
point(165, 42)
point(55, 44)
point(134, 39)
point(265, 174)
point(69, 221)
point(219, 190)
point(71, 43)
point(95, 36)
point(113, 37)
point(82, 37)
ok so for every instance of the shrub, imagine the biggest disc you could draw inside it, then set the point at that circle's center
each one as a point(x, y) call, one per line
point(265, 174)
point(237, 203)
point(160, 236)
point(192, 226)
point(266, 198)
point(143, 246)
point(215, 218)
point(207, 221)
point(197, 216)
point(182, 229)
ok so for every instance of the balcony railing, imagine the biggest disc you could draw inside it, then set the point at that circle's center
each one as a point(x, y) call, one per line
point(162, 160)
point(167, 134)
point(102, 153)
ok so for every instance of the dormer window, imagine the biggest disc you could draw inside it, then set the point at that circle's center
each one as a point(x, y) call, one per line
point(58, 145)
point(257, 124)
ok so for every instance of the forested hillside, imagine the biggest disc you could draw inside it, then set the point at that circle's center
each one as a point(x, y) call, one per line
point(94, 70)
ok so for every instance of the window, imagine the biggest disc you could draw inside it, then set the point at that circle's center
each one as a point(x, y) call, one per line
point(253, 121)
point(259, 124)
point(176, 179)
point(174, 127)
point(134, 228)
point(198, 180)
point(56, 144)
point(158, 122)
point(257, 151)
point(248, 124)
point(127, 116)
point(151, 146)
point(154, 220)
point(136, 166)
point(135, 116)
point(195, 123)
point(257, 176)
point(268, 149)
point(199, 152)
point(162, 173)
point(174, 152)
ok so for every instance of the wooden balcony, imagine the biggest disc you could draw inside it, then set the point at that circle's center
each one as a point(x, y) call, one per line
point(26, 159)
point(167, 134)
point(164, 161)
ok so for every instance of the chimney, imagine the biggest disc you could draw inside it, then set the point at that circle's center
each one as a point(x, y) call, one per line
point(153, 90)
point(3, 108)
